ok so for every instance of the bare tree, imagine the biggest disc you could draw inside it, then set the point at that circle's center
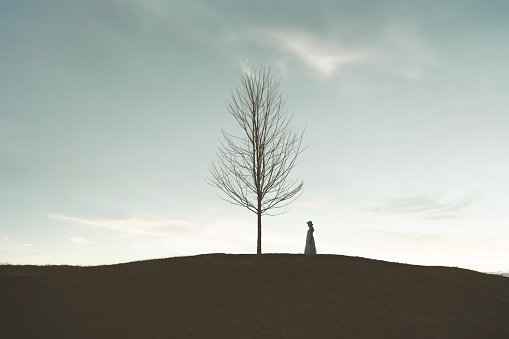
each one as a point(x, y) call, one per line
point(253, 169)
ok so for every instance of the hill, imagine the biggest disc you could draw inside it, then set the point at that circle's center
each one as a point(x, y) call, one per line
point(245, 296)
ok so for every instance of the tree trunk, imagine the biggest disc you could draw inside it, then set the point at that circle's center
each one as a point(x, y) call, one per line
point(259, 247)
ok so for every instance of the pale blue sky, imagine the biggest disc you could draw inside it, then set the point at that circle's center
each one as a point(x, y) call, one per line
point(110, 113)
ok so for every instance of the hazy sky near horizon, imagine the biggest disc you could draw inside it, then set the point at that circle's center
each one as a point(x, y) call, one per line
point(110, 113)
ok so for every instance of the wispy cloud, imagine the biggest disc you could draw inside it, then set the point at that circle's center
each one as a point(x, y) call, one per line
point(13, 246)
point(448, 206)
point(245, 66)
point(322, 55)
point(80, 240)
point(385, 49)
point(144, 225)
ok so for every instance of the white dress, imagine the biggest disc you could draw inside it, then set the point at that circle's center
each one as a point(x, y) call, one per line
point(310, 243)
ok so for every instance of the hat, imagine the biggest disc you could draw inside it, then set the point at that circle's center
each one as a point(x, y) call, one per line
point(309, 222)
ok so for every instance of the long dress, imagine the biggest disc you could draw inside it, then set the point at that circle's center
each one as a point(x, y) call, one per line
point(310, 243)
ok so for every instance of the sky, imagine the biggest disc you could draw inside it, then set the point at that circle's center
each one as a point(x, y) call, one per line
point(111, 113)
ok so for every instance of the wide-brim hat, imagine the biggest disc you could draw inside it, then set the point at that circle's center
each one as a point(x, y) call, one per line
point(309, 222)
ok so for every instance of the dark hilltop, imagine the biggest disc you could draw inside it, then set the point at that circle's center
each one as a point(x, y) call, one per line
point(249, 296)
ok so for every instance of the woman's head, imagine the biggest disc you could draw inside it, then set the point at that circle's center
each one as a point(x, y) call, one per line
point(310, 223)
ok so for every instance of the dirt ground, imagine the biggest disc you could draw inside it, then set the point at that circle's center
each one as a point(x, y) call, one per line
point(249, 296)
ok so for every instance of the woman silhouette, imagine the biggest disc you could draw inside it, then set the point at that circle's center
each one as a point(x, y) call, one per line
point(310, 240)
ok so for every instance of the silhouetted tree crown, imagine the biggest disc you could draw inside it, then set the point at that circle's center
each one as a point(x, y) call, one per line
point(253, 169)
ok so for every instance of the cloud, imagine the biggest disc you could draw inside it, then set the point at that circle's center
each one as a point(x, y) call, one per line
point(388, 49)
point(448, 206)
point(246, 67)
point(80, 240)
point(384, 46)
point(322, 55)
point(12, 246)
point(143, 225)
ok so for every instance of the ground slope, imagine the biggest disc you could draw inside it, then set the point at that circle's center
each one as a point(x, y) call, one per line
point(245, 296)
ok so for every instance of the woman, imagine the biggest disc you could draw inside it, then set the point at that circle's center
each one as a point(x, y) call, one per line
point(310, 240)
